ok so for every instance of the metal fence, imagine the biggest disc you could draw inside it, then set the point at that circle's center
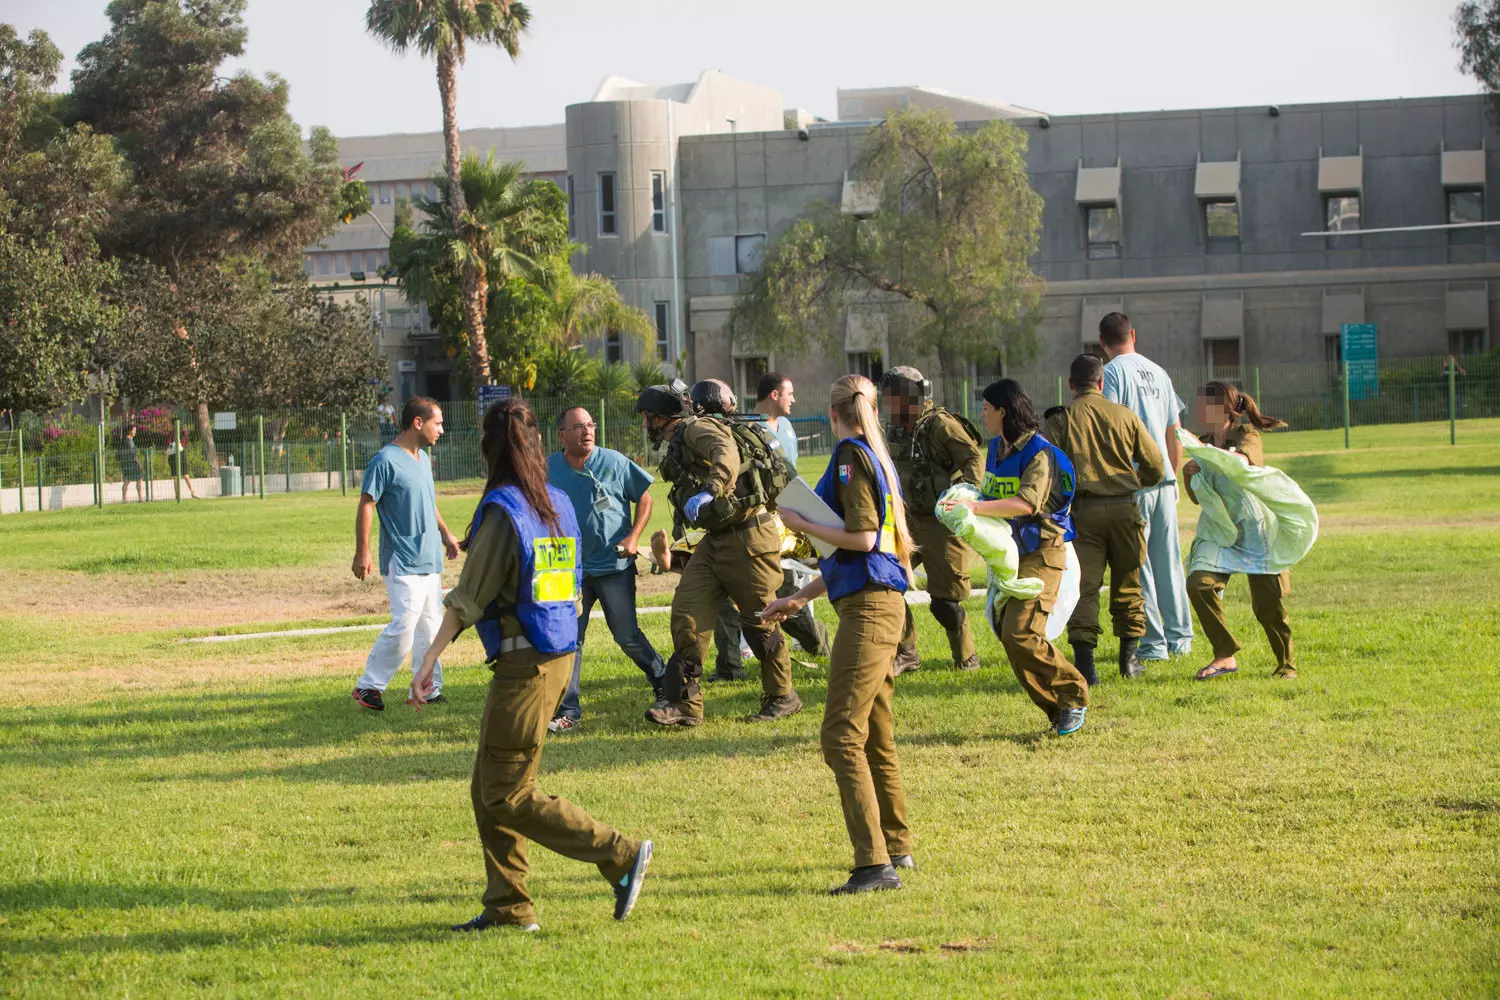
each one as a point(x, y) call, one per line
point(52, 461)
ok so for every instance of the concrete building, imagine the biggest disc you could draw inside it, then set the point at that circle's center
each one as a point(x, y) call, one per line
point(1232, 237)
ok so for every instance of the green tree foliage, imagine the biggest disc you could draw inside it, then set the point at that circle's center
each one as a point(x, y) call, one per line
point(222, 189)
point(56, 186)
point(443, 30)
point(1477, 36)
point(943, 256)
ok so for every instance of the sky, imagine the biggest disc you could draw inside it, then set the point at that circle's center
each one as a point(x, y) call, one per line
point(1062, 57)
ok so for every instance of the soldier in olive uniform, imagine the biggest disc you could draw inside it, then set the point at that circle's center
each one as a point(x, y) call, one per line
point(1113, 457)
point(739, 556)
point(933, 449)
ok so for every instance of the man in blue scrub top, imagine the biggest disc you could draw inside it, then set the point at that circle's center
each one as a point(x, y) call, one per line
point(602, 484)
point(1140, 384)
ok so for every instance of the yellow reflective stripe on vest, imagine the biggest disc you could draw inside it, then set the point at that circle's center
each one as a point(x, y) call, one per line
point(1000, 487)
point(552, 571)
point(888, 528)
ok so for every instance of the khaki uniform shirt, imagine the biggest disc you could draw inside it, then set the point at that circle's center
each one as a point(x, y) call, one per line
point(949, 448)
point(1243, 437)
point(1112, 451)
point(712, 443)
point(857, 496)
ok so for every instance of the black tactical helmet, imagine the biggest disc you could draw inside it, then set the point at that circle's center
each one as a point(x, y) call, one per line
point(713, 396)
point(664, 400)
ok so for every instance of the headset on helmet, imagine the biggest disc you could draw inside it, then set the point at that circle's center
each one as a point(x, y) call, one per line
point(712, 396)
point(664, 400)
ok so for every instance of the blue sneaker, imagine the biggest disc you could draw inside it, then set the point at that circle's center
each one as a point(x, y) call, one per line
point(629, 887)
point(1069, 720)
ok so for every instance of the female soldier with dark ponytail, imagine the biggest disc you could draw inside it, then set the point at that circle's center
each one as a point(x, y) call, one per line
point(1232, 421)
point(864, 579)
point(1029, 481)
point(519, 588)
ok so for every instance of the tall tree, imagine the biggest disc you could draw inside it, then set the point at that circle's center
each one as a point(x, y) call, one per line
point(942, 254)
point(507, 228)
point(1476, 26)
point(443, 29)
point(219, 173)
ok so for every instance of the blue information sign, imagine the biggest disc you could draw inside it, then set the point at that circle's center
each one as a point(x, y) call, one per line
point(490, 394)
point(1358, 343)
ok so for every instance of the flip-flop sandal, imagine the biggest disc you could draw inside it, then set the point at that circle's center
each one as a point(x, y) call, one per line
point(1209, 673)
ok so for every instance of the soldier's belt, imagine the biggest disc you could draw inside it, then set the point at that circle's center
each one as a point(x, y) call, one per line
point(764, 517)
point(1091, 501)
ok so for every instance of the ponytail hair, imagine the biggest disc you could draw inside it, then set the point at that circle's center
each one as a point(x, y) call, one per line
point(853, 399)
point(1237, 401)
point(512, 448)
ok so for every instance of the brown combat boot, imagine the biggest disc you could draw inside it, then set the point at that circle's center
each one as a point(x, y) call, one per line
point(773, 707)
point(673, 713)
point(906, 660)
point(972, 663)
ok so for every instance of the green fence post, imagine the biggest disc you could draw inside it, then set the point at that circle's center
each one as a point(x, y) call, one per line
point(20, 468)
point(1257, 383)
point(177, 468)
point(1059, 391)
point(260, 455)
point(328, 460)
point(99, 459)
point(343, 454)
point(1346, 405)
point(286, 454)
point(603, 423)
point(964, 388)
point(1452, 401)
point(39, 478)
point(150, 473)
point(98, 490)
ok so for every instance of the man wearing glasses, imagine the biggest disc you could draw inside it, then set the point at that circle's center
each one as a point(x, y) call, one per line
point(602, 484)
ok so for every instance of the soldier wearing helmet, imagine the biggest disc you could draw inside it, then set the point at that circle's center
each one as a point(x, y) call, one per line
point(719, 472)
point(932, 450)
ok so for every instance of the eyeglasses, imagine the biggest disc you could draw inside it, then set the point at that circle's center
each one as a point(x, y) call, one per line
point(581, 427)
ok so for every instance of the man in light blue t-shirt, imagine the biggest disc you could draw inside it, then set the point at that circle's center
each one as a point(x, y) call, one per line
point(602, 485)
point(1143, 386)
point(398, 485)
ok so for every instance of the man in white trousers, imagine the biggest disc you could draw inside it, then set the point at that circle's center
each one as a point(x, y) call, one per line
point(1140, 384)
point(413, 539)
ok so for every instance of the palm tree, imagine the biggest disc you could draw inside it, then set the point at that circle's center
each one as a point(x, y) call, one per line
point(443, 28)
point(505, 229)
point(589, 306)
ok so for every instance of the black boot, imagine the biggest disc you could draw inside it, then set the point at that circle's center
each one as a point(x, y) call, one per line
point(1130, 666)
point(869, 879)
point(1083, 659)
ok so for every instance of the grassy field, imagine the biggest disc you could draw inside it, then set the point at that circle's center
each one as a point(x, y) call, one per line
point(219, 820)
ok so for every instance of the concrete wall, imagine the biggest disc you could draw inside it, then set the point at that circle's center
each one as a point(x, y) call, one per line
point(759, 183)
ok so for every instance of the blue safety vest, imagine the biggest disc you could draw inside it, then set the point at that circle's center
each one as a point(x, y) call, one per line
point(847, 571)
point(551, 574)
point(1002, 480)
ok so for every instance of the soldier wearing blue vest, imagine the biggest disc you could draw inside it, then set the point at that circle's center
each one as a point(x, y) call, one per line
point(520, 590)
point(1029, 481)
point(864, 579)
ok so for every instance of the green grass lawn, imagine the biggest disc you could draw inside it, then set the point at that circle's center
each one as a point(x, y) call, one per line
point(219, 820)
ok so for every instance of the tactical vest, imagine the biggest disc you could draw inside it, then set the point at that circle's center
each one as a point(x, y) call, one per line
point(551, 575)
point(764, 472)
point(846, 571)
point(1002, 480)
point(923, 480)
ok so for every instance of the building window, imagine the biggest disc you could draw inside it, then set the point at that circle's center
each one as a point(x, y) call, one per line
point(747, 373)
point(747, 252)
point(323, 263)
point(1465, 206)
point(663, 336)
point(308, 264)
point(402, 192)
point(341, 263)
point(1222, 356)
point(1103, 231)
point(866, 363)
point(385, 194)
point(1462, 343)
point(572, 210)
point(612, 347)
point(1222, 219)
point(1341, 213)
point(658, 201)
point(607, 225)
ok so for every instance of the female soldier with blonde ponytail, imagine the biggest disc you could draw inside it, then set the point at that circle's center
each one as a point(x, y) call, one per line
point(864, 579)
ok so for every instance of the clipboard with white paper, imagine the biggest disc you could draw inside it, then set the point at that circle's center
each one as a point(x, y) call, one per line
point(799, 498)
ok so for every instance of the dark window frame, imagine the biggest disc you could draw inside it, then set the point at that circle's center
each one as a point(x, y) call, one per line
point(1102, 249)
point(609, 196)
point(663, 317)
point(658, 201)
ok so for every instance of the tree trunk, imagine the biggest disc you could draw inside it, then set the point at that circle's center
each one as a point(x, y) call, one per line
point(479, 359)
point(205, 426)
